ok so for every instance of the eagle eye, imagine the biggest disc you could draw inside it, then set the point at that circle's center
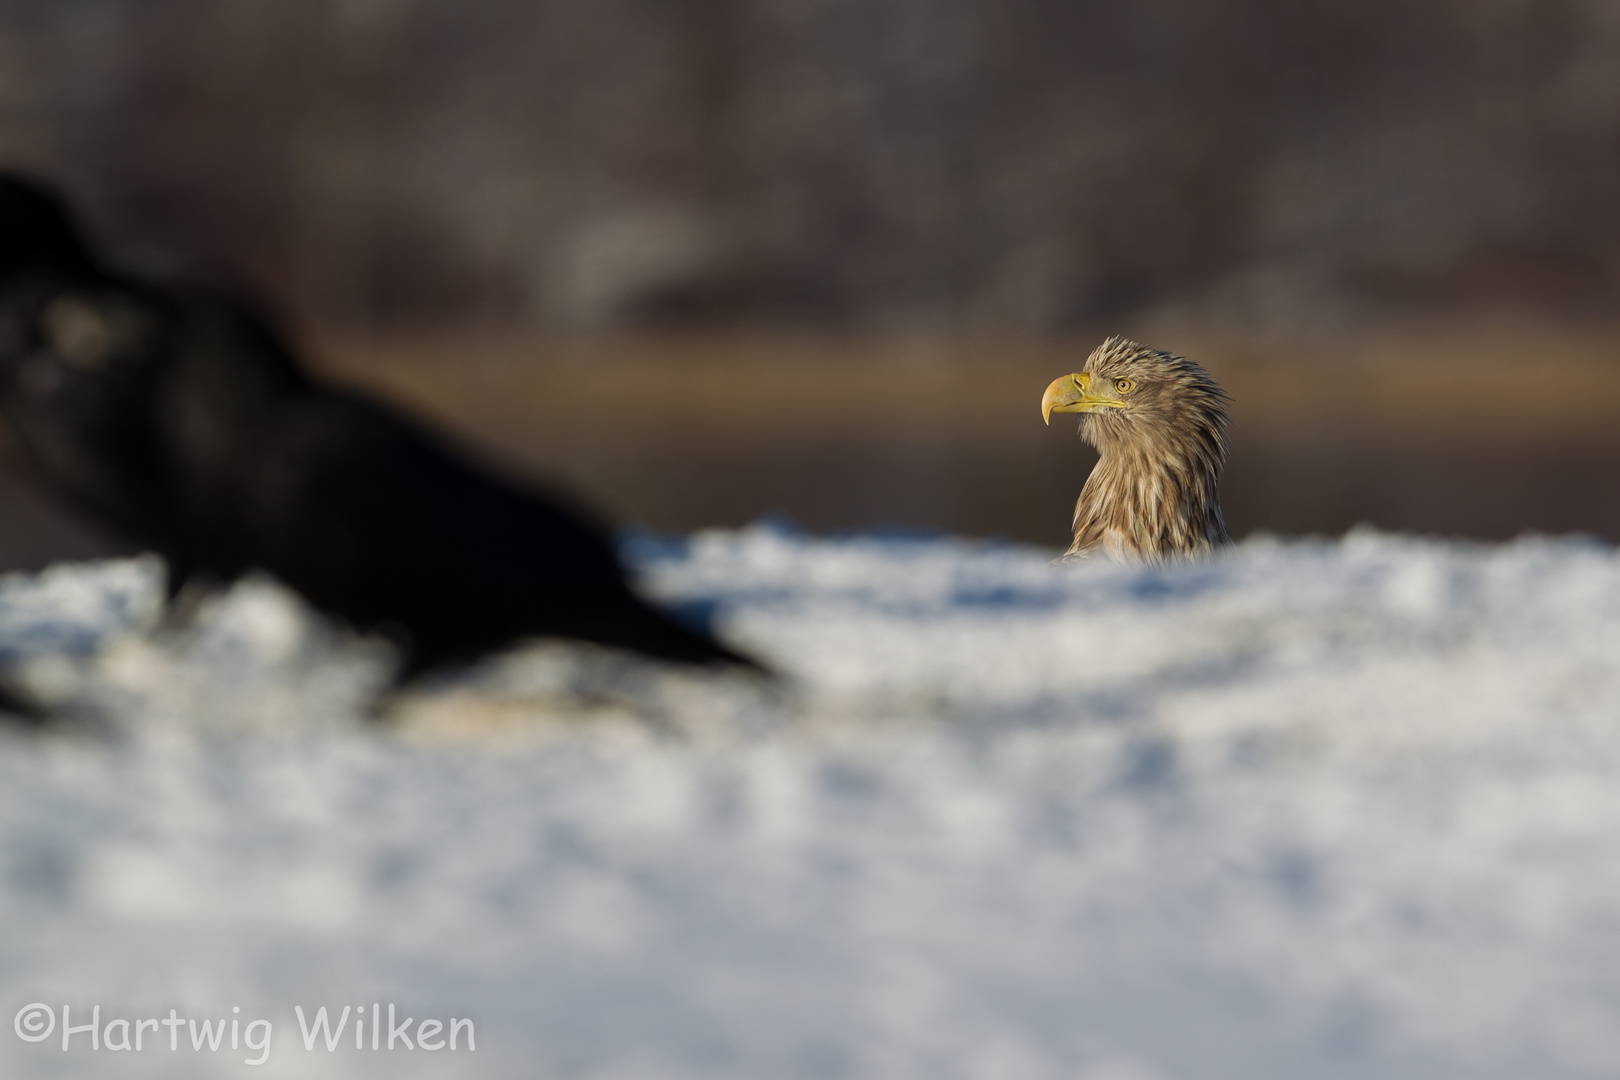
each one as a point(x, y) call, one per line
point(1124, 386)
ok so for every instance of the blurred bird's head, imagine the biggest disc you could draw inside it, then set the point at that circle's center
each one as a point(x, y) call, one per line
point(37, 235)
point(1140, 401)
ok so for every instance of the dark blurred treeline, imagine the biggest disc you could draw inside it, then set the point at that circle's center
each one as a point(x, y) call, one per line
point(984, 165)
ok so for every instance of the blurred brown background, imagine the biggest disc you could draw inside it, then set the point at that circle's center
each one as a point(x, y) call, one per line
point(707, 259)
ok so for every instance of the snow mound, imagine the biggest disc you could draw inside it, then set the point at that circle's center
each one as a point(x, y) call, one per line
point(1337, 808)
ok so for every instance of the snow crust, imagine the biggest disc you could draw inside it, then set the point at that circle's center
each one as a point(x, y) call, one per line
point(1320, 808)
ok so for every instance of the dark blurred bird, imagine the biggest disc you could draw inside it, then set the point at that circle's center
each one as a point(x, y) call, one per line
point(177, 416)
point(1159, 423)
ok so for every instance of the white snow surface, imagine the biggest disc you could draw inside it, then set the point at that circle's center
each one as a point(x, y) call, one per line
point(1318, 808)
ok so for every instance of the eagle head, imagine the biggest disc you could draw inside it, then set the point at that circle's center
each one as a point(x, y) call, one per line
point(1159, 424)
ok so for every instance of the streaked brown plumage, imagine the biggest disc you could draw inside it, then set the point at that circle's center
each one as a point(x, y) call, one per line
point(1158, 422)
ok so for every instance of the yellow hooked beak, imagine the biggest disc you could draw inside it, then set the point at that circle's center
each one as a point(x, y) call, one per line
point(1073, 393)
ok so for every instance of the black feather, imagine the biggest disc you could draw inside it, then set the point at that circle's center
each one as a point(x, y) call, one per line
point(177, 416)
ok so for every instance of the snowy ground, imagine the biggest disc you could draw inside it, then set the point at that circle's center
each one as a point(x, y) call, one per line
point(1319, 809)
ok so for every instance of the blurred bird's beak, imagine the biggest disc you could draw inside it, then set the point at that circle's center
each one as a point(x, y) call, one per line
point(1072, 393)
